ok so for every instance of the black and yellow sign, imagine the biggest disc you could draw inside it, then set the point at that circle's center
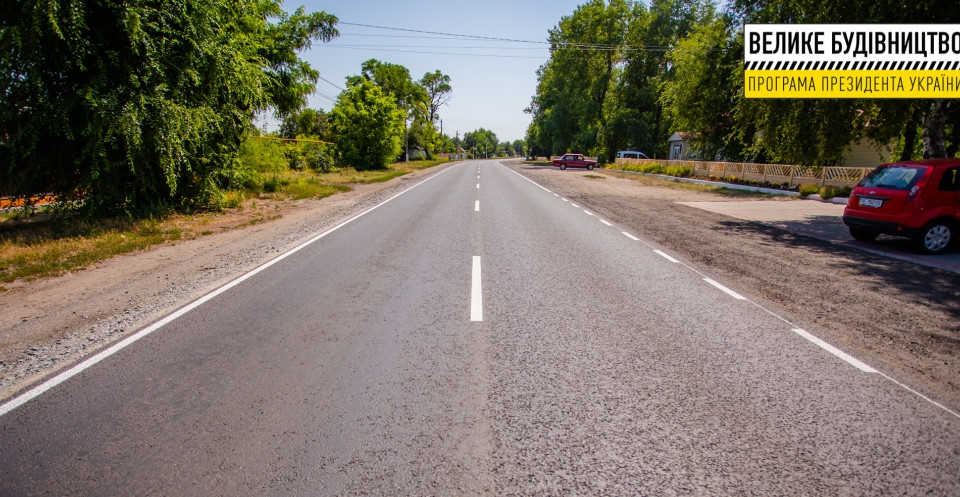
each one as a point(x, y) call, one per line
point(851, 61)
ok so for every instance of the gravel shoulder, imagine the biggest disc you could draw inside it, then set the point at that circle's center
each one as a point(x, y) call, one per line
point(50, 324)
point(901, 318)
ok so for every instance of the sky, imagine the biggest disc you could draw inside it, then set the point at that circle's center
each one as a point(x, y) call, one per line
point(493, 81)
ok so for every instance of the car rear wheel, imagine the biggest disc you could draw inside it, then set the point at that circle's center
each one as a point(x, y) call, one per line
point(935, 237)
point(589, 167)
point(863, 235)
point(563, 166)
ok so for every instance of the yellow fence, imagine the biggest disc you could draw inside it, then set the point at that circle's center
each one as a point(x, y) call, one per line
point(765, 173)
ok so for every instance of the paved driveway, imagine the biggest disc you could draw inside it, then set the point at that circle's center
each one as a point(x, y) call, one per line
point(823, 220)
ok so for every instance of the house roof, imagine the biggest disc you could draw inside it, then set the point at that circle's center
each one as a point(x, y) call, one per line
point(683, 136)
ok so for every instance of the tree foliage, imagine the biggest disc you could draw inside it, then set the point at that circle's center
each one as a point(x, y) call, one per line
point(677, 66)
point(481, 143)
point(311, 122)
point(367, 126)
point(138, 105)
point(599, 92)
point(437, 86)
point(419, 100)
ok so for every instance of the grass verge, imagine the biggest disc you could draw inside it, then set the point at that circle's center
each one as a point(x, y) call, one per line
point(46, 244)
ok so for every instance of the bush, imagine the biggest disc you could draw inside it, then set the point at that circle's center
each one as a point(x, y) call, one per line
point(807, 190)
point(678, 171)
point(272, 185)
point(308, 155)
point(830, 191)
point(261, 155)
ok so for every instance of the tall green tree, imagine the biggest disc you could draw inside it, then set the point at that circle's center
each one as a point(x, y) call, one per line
point(573, 84)
point(139, 104)
point(481, 142)
point(437, 86)
point(599, 92)
point(367, 126)
point(395, 81)
point(312, 122)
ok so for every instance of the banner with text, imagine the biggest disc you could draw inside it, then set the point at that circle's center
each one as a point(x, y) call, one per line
point(851, 60)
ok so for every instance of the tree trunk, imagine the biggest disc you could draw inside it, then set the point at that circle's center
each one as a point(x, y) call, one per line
point(909, 137)
point(953, 117)
point(933, 123)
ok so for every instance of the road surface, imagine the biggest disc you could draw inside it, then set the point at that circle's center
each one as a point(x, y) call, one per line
point(477, 335)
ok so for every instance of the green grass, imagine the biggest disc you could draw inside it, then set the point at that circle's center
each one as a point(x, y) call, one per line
point(51, 244)
point(35, 248)
point(349, 175)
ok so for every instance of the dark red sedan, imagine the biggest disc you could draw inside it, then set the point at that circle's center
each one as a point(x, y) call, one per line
point(574, 160)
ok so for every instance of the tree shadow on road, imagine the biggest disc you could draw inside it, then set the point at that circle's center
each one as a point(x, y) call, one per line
point(930, 287)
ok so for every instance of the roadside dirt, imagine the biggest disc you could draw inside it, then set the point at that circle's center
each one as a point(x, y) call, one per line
point(901, 318)
point(47, 325)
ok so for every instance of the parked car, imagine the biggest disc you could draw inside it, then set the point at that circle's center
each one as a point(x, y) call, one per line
point(574, 160)
point(631, 154)
point(916, 199)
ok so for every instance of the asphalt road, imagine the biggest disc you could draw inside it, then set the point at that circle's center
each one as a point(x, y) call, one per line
point(478, 335)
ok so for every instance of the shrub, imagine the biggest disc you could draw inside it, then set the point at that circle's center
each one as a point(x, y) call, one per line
point(678, 171)
point(807, 190)
point(261, 155)
point(272, 185)
point(308, 155)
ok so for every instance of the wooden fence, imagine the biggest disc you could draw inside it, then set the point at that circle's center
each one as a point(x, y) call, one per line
point(766, 173)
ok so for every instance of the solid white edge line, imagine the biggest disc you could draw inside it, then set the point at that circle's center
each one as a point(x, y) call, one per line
point(665, 256)
point(476, 292)
point(835, 351)
point(725, 289)
point(42, 388)
point(630, 236)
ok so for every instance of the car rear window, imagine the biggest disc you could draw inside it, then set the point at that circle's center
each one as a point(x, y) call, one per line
point(897, 177)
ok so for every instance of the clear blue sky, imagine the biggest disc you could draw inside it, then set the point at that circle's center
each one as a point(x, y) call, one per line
point(492, 81)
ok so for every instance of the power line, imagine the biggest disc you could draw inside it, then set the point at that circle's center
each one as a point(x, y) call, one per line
point(585, 46)
point(443, 53)
point(473, 37)
point(325, 80)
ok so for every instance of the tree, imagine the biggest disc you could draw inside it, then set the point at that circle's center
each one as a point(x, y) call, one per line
point(707, 80)
point(481, 143)
point(395, 81)
point(138, 105)
point(367, 126)
point(312, 122)
point(573, 84)
point(438, 90)
point(599, 92)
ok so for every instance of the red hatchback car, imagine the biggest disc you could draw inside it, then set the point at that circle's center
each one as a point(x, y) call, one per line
point(916, 199)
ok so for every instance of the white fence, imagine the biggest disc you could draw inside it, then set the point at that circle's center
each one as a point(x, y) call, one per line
point(772, 173)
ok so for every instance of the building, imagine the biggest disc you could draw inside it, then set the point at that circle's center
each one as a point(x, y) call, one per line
point(681, 145)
